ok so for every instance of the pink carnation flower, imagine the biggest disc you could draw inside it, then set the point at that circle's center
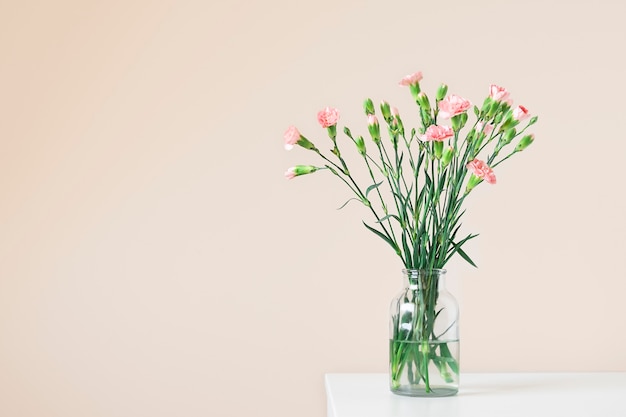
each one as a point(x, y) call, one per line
point(453, 105)
point(292, 136)
point(328, 117)
point(482, 170)
point(498, 93)
point(520, 113)
point(411, 79)
point(437, 133)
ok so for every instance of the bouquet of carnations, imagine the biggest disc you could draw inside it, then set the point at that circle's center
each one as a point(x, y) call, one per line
point(416, 183)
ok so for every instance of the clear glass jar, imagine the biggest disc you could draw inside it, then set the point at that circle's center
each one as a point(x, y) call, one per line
point(424, 337)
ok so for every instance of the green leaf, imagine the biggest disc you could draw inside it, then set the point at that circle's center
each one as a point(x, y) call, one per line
point(405, 245)
point(458, 216)
point(389, 216)
point(453, 235)
point(372, 187)
point(420, 160)
point(429, 181)
point(468, 237)
point(442, 181)
point(383, 237)
point(457, 248)
point(346, 203)
point(404, 203)
point(467, 258)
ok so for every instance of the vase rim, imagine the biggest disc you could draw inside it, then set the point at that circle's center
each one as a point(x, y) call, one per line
point(418, 270)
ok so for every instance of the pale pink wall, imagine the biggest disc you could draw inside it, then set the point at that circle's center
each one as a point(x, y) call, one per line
point(154, 261)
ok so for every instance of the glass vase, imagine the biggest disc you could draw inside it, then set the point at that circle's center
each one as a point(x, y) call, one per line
point(424, 337)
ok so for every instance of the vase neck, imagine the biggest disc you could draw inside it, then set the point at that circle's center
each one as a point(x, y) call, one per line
point(420, 279)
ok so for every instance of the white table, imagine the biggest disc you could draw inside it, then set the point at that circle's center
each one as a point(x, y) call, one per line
point(484, 395)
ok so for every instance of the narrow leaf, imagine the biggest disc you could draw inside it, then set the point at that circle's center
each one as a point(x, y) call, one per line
point(405, 246)
point(404, 203)
point(383, 237)
point(393, 216)
point(372, 187)
point(457, 248)
point(346, 203)
point(467, 258)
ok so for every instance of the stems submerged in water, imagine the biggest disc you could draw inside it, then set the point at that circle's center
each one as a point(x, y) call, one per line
point(423, 348)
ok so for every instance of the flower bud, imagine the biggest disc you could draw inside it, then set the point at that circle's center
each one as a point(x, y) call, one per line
point(504, 107)
point(393, 132)
point(486, 105)
point(360, 145)
point(493, 108)
point(447, 155)
point(508, 136)
point(472, 135)
point(300, 170)
point(422, 100)
point(480, 137)
point(427, 120)
point(441, 92)
point(373, 127)
point(533, 120)
point(508, 122)
point(368, 106)
point(525, 142)
point(398, 120)
point(400, 127)
point(385, 109)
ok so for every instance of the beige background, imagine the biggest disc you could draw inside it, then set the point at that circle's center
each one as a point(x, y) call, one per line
point(154, 261)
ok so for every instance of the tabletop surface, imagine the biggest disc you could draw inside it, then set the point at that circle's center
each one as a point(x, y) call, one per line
point(484, 395)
